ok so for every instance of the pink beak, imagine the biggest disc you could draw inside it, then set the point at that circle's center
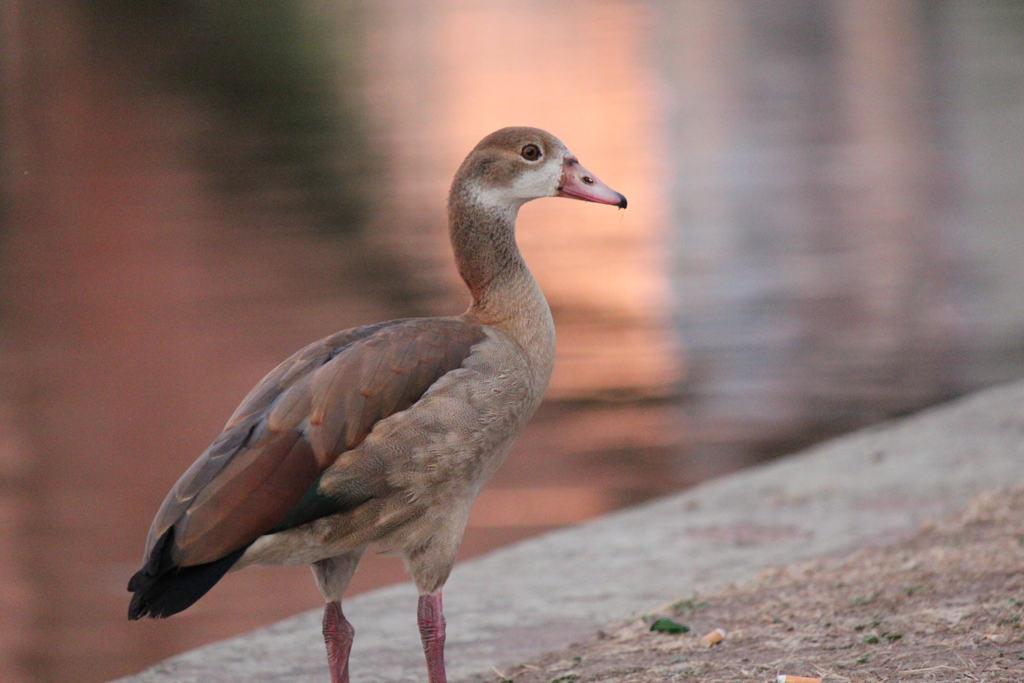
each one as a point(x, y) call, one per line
point(579, 183)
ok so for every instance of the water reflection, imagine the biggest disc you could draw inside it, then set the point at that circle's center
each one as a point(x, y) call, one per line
point(281, 83)
point(823, 231)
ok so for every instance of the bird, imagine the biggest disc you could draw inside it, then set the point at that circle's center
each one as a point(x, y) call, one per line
point(381, 435)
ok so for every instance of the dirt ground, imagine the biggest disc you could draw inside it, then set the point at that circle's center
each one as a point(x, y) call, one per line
point(945, 604)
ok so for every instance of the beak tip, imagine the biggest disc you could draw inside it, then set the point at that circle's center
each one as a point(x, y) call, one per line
point(622, 202)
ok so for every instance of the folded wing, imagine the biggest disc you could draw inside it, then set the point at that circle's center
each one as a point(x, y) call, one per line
point(260, 474)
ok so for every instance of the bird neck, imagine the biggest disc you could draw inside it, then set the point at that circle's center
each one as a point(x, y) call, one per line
point(486, 254)
point(505, 294)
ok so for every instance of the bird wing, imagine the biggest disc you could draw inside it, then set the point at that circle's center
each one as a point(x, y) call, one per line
point(260, 474)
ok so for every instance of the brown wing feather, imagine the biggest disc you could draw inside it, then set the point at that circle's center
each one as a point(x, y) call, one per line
point(248, 504)
point(239, 431)
point(319, 403)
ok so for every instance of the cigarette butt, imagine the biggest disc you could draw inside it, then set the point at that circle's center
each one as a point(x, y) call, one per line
point(798, 679)
point(711, 638)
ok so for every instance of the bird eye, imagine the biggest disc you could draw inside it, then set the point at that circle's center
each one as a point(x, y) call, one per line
point(530, 152)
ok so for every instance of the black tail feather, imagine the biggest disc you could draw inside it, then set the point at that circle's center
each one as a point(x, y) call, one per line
point(161, 588)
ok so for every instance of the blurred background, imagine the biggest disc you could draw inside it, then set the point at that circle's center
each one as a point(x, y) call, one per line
point(825, 230)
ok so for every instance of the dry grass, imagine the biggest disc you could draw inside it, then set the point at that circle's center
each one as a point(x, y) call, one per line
point(946, 604)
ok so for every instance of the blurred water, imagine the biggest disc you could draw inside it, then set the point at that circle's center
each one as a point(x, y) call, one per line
point(824, 231)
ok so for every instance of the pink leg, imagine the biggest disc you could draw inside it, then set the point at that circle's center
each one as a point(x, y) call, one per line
point(431, 621)
point(338, 635)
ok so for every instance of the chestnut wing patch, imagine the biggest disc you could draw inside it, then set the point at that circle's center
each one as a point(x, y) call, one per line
point(260, 474)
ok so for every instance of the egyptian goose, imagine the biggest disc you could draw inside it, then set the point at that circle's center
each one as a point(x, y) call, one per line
point(381, 434)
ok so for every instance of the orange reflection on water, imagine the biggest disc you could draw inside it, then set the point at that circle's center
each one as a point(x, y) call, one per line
point(578, 70)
